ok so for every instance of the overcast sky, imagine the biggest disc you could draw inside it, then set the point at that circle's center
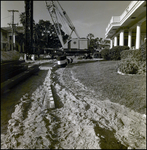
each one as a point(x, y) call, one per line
point(87, 16)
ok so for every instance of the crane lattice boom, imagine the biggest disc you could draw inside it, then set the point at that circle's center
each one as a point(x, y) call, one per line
point(58, 13)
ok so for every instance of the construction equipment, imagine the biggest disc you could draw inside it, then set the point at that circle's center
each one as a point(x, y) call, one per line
point(59, 17)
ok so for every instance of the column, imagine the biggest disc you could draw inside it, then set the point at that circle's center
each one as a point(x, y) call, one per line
point(115, 41)
point(121, 38)
point(138, 31)
point(130, 38)
point(111, 43)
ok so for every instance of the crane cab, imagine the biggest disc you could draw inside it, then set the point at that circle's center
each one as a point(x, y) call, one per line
point(77, 44)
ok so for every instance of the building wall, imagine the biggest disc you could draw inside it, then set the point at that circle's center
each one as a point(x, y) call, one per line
point(129, 29)
point(6, 40)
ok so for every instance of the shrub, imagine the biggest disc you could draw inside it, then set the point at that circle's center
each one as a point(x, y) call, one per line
point(115, 52)
point(131, 65)
point(139, 55)
point(128, 66)
point(142, 67)
point(97, 55)
point(133, 61)
point(136, 54)
point(105, 54)
point(143, 51)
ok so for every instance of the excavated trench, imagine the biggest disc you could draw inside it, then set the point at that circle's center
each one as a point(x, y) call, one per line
point(80, 119)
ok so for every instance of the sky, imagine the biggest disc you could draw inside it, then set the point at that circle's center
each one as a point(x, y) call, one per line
point(87, 16)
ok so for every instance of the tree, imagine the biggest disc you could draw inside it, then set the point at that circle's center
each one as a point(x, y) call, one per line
point(22, 17)
point(46, 36)
point(20, 38)
point(90, 36)
point(96, 43)
point(44, 33)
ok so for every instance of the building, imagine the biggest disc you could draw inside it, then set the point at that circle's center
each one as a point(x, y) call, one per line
point(128, 29)
point(6, 39)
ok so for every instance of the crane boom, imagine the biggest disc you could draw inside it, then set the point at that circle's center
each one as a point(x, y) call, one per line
point(57, 12)
point(53, 13)
point(69, 22)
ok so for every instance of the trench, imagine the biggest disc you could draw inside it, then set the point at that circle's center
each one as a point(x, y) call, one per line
point(80, 120)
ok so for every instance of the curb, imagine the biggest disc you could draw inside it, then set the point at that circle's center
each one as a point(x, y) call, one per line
point(18, 78)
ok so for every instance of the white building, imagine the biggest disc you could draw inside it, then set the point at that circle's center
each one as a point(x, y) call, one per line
point(128, 29)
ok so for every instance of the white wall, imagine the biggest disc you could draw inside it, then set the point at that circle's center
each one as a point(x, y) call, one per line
point(74, 44)
point(83, 44)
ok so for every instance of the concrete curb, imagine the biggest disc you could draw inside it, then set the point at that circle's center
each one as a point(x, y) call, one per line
point(18, 78)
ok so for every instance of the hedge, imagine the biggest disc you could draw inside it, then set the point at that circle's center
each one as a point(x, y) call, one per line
point(128, 65)
point(136, 54)
point(133, 61)
point(143, 51)
point(113, 53)
point(132, 66)
point(139, 55)
point(97, 55)
point(105, 54)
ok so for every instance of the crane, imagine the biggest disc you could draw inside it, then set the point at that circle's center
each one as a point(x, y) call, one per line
point(57, 14)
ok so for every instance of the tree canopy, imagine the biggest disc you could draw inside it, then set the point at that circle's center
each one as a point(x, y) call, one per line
point(44, 34)
point(96, 43)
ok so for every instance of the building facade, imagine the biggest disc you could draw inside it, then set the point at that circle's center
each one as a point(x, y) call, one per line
point(6, 39)
point(128, 29)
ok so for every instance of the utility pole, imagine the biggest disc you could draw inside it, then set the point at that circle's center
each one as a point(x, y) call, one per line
point(13, 26)
point(29, 27)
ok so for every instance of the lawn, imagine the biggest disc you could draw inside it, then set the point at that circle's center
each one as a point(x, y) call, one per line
point(128, 90)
